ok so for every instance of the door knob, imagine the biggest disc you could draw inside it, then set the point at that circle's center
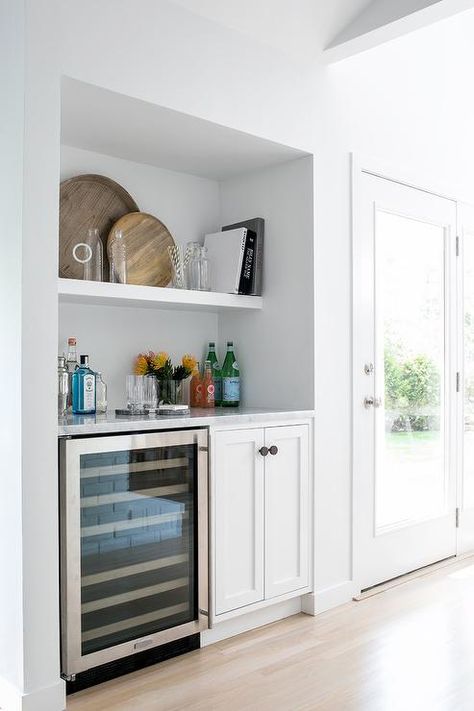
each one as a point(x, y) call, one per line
point(264, 451)
point(273, 449)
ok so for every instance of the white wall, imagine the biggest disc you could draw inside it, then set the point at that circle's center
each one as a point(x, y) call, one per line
point(11, 183)
point(276, 371)
point(187, 204)
point(275, 347)
point(178, 59)
point(29, 588)
point(112, 338)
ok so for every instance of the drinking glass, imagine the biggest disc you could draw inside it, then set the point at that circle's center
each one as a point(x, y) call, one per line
point(150, 394)
point(178, 260)
point(135, 392)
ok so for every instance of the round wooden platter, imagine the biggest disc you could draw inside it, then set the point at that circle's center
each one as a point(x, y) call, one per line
point(146, 241)
point(87, 201)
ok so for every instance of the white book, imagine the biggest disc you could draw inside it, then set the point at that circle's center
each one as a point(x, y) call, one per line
point(226, 253)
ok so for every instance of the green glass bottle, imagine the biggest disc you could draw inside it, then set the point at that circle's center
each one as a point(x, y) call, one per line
point(230, 379)
point(216, 373)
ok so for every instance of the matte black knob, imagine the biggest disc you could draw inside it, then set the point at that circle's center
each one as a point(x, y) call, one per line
point(263, 451)
point(273, 449)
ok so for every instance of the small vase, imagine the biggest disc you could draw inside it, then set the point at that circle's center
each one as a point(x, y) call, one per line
point(171, 392)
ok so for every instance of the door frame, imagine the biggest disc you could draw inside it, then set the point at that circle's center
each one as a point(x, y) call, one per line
point(361, 165)
point(465, 531)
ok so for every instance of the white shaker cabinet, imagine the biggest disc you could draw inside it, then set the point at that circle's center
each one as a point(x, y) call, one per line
point(261, 516)
point(239, 519)
point(286, 510)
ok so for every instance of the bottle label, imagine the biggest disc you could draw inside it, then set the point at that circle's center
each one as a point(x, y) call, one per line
point(218, 388)
point(231, 389)
point(235, 365)
point(210, 393)
point(88, 385)
point(197, 395)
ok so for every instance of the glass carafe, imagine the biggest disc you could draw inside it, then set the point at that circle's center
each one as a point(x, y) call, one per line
point(89, 254)
point(118, 258)
point(101, 393)
point(63, 386)
point(197, 270)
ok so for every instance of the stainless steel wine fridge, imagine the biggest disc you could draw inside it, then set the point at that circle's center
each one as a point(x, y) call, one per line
point(134, 544)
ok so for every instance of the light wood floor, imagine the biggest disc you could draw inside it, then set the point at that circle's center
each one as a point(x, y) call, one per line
point(410, 648)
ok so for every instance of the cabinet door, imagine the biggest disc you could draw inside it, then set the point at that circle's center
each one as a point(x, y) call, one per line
point(238, 514)
point(287, 508)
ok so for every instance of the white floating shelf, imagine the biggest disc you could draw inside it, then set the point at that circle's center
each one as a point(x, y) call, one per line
point(75, 291)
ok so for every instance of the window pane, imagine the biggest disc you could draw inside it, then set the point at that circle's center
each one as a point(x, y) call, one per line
point(410, 341)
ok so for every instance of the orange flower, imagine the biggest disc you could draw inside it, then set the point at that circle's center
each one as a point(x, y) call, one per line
point(189, 362)
point(141, 365)
point(160, 359)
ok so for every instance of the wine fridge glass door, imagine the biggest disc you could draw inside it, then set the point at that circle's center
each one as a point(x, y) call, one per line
point(132, 542)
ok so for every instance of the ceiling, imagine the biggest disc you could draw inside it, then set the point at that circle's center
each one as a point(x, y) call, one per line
point(301, 28)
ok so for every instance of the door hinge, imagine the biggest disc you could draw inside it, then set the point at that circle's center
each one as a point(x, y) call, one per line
point(457, 517)
point(457, 245)
point(458, 381)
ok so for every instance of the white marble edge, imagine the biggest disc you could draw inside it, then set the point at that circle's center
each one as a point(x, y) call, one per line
point(76, 425)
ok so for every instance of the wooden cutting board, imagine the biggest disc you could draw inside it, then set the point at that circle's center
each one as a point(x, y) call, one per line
point(87, 201)
point(146, 242)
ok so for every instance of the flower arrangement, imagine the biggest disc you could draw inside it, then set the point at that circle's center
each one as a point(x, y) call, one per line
point(161, 366)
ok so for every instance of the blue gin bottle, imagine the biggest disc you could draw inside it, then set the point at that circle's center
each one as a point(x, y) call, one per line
point(83, 388)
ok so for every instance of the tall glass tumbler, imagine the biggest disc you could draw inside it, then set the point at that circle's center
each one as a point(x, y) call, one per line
point(150, 393)
point(135, 393)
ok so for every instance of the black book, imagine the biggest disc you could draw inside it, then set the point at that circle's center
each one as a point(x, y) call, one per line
point(256, 225)
point(248, 264)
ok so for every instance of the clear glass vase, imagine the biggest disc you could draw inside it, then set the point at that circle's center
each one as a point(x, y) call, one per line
point(118, 258)
point(88, 252)
point(171, 392)
point(197, 269)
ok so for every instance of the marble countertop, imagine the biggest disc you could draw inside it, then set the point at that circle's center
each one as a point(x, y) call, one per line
point(76, 425)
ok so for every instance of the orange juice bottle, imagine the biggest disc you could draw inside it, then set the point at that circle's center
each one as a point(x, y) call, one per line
point(208, 388)
point(196, 389)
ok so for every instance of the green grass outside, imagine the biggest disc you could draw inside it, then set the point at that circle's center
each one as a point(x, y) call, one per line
point(402, 439)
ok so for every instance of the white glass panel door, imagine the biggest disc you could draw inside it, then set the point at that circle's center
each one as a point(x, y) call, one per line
point(404, 379)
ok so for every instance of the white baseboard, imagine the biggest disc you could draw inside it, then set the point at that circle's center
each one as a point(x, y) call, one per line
point(327, 598)
point(51, 698)
point(255, 619)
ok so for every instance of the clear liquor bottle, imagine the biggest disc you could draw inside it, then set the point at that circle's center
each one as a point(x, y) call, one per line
point(101, 393)
point(71, 365)
point(230, 378)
